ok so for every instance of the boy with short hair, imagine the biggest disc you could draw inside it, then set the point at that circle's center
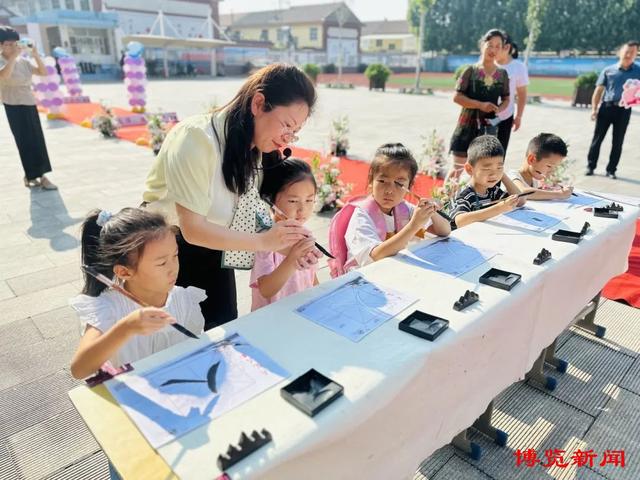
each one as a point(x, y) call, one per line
point(544, 153)
point(485, 165)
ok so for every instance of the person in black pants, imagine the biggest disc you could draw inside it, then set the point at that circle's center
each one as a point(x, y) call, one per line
point(609, 89)
point(20, 106)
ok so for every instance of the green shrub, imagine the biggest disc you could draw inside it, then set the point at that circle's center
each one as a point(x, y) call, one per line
point(312, 70)
point(377, 72)
point(586, 80)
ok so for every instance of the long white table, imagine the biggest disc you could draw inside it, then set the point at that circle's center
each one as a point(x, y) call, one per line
point(403, 397)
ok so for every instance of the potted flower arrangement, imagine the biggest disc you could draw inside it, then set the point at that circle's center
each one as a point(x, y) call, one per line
point(446, 194)
point(105, 122)
point(158, 131)
point(331, 190)
point(339, 143)
point(433, 159)
point(378, 74)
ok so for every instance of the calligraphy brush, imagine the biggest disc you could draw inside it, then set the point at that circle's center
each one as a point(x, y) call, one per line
point(418, 197)
point(114, 286)
point(524, 194)
point(281, 213)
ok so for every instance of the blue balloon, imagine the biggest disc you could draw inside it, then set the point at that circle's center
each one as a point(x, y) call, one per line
point(135, 49)
point(59, 52)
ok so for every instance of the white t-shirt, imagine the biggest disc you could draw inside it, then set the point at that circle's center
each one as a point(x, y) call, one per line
point(516, 175)
point(518, 77)
point(104, 311)
point(362, 236)
point(188, 171)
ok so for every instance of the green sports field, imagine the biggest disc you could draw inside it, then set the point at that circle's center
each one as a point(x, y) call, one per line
point(538, 86)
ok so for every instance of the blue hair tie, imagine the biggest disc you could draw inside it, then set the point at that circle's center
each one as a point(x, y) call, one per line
point(103, 217)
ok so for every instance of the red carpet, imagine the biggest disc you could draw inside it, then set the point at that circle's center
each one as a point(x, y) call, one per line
point(79, 112)
point(627, 286)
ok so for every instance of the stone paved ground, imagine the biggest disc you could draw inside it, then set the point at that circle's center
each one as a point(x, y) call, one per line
point(41, 436)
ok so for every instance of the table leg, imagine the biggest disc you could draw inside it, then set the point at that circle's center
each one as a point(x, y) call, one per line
point(550, 358)
point(483, 425)
point(587, 316)
point(463, 443)
point(537, 373)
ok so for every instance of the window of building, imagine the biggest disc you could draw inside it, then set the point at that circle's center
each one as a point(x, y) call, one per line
point(55, 4)
point(84, 5)
point(91, 41)
point(69, 4)
point(264, 35)
point(378, 43)
point(44, 5)
point(392, 46)
point(313, 33)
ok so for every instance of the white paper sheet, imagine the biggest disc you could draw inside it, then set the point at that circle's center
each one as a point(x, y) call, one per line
point(449, 256)
point(178, 396)
point(356, 308)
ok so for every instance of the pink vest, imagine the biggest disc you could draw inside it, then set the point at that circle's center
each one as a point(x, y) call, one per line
point(340, 223)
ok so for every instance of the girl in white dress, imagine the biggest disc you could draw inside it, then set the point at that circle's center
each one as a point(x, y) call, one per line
point(138, 249)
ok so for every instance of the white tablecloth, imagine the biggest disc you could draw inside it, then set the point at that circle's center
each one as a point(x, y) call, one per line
point(405, 397)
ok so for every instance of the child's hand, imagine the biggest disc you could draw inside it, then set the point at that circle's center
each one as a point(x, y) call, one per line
point(565, 192)
point(304, 253)
point(423, 212)
point(147, 320)
point(282, 235)
point(508, 204)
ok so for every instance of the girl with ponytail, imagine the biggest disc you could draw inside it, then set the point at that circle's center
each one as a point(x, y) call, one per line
point(137, 249)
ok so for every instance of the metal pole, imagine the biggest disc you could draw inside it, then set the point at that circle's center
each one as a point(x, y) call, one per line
point(419, 48)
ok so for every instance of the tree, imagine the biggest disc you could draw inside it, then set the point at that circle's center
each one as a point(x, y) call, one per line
point(535, 15)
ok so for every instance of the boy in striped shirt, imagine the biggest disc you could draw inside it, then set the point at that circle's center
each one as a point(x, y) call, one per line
point(485, 165)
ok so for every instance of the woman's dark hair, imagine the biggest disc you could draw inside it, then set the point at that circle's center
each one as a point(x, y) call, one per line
point(281, 85)
point(507, 40)
point(290, 171)
point(395, 154)
point(8, 34)
point(494, 32)
point(120, 241)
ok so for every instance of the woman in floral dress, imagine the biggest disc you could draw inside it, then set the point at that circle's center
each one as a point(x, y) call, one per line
point(483, 91)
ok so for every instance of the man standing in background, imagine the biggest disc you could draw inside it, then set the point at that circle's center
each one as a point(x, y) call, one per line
point(609, 90)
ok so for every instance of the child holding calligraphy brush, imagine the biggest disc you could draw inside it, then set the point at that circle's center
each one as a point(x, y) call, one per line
point(383, 223)
point(137, 249)
point(290, 189)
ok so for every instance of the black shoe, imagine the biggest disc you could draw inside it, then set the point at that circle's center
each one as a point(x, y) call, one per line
point(589, 172)
point(612, 175)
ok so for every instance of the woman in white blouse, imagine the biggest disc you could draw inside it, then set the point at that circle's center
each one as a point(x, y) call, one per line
point(207, 176)
point(20, 107)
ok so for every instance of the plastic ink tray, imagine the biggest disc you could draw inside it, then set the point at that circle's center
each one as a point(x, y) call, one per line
point(424, 325)
point(500, 279)
point(311, 392)
point(567, 236)
point(604, 212)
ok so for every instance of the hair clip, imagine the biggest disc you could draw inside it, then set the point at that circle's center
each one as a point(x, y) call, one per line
point(103, 217)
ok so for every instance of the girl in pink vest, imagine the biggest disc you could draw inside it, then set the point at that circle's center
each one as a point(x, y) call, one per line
point(289, 186)
point(381, 224)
